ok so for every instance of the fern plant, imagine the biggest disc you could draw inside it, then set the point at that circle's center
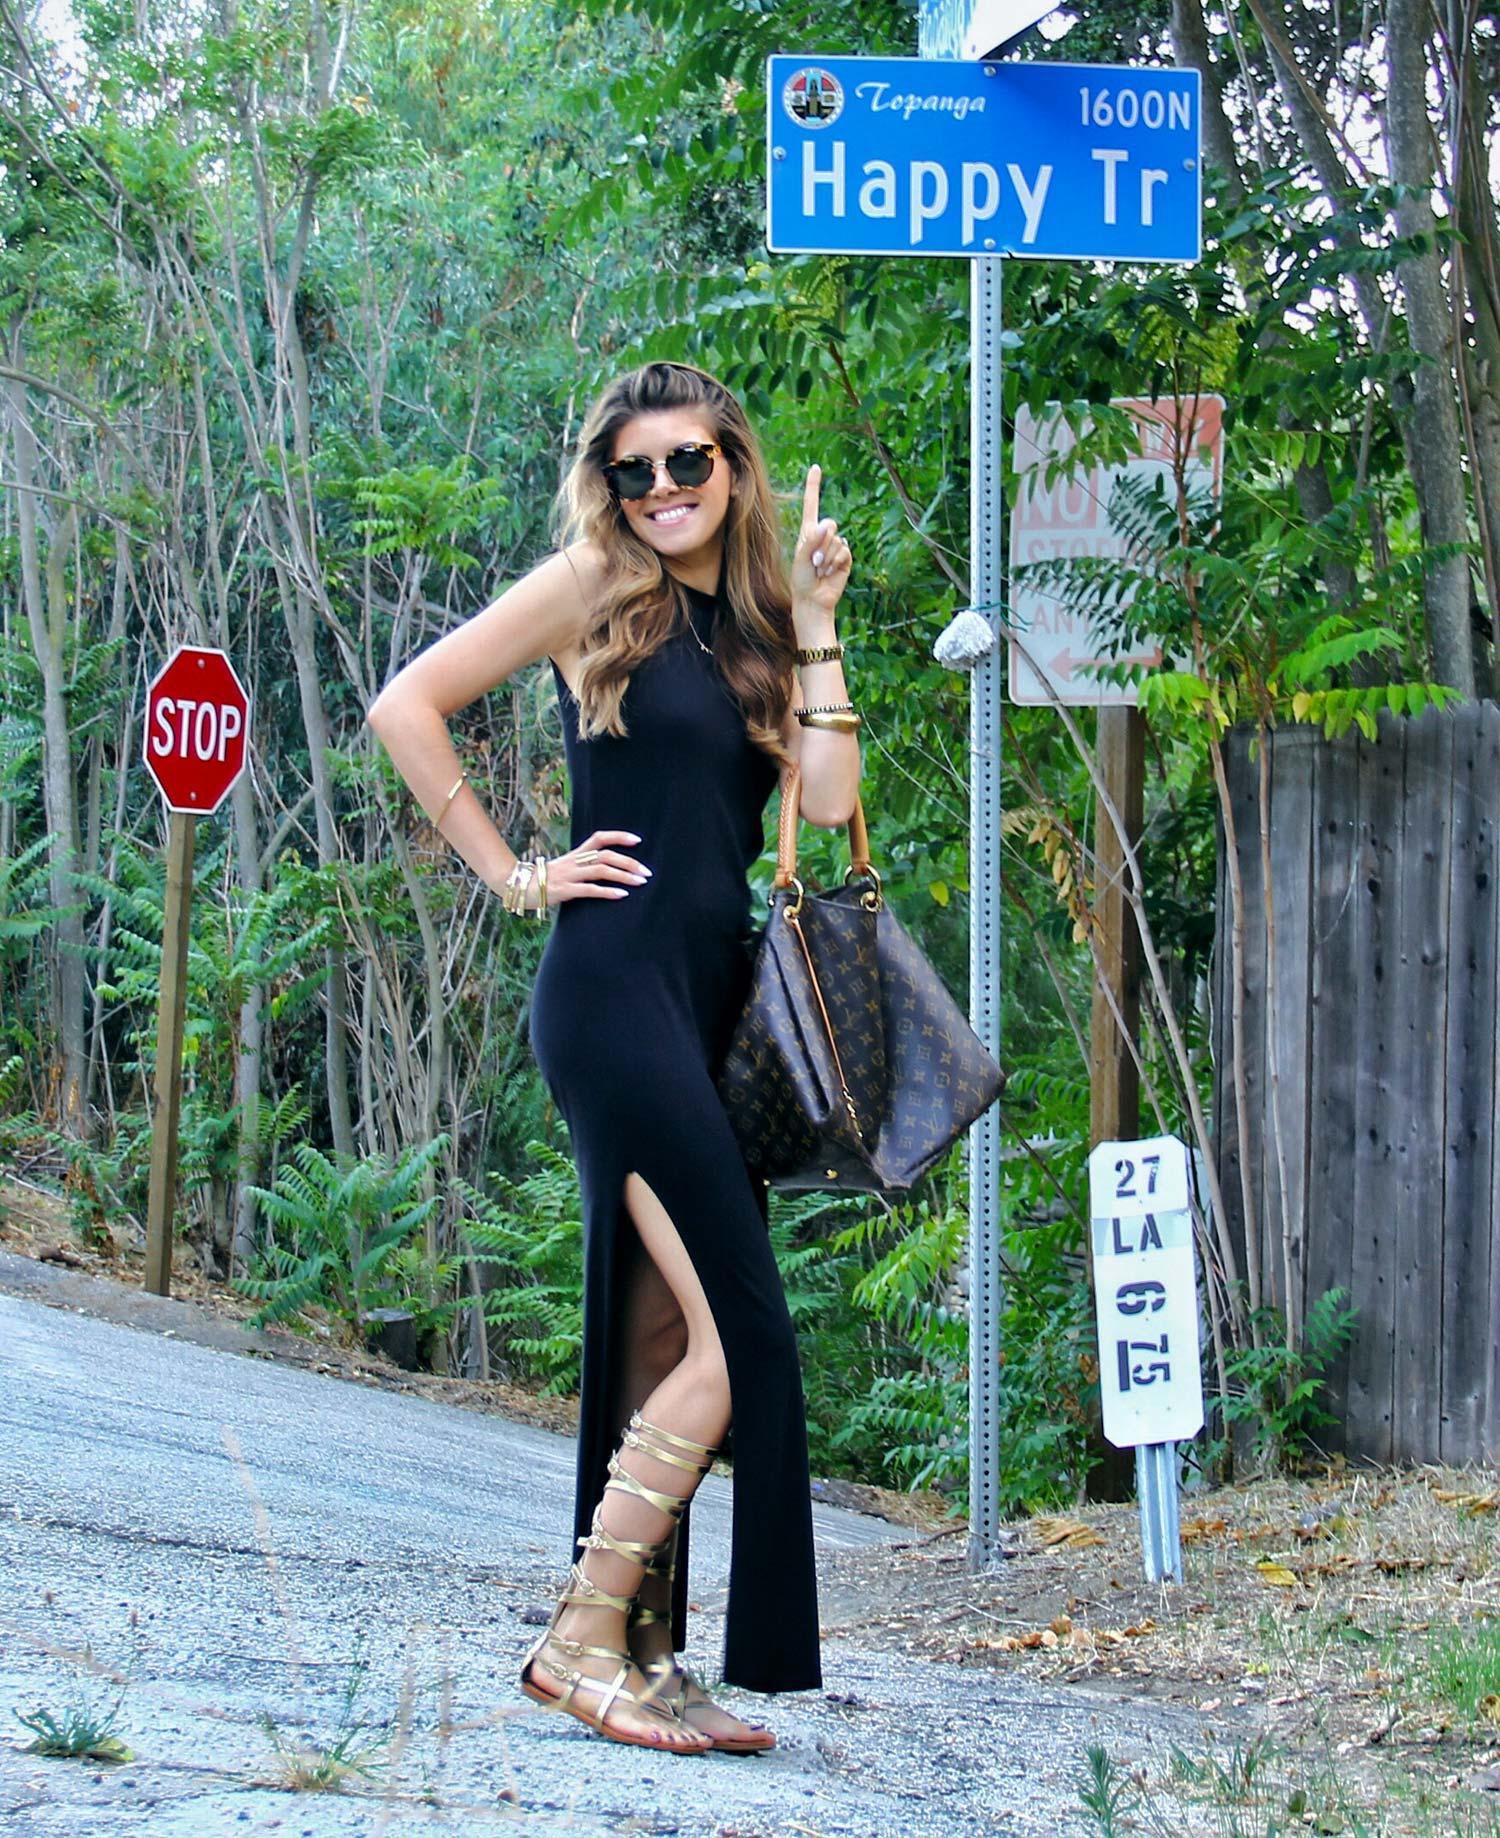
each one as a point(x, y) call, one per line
point(527, 1239)
point(1276, 1390)
point(337, 1229)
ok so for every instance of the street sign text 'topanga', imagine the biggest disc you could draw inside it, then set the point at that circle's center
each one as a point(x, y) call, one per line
point(913, 156)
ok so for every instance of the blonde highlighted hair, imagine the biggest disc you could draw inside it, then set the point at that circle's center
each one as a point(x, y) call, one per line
point(640, 605)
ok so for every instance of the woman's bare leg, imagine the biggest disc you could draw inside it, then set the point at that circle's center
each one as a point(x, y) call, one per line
point(676, 1335)
point(691, 1402)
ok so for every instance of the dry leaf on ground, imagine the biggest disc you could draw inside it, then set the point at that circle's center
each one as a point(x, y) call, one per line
point(1070, 1532)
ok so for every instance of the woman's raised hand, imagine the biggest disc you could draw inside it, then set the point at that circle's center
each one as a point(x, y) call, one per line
point(820, 564)
point(596, 870)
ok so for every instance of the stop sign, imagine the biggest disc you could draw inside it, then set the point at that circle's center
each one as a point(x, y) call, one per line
point(197, 727)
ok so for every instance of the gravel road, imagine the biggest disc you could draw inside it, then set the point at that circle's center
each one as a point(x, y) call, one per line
point(247, 1541)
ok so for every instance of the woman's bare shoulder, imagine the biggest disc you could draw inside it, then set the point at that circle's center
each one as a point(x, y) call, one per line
point(584, 563)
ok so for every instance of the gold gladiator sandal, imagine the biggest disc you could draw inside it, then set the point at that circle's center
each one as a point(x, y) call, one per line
point(583, 1592)
point(674, 1684)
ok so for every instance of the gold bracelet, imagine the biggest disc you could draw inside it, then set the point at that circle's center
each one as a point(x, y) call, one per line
point(541, 890)
point(835, 720)
point(826, 708)
point(458, 785)
point(822, 654)
point(517, 884)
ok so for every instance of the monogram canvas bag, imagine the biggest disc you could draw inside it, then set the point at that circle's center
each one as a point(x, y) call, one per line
point(851, 1067)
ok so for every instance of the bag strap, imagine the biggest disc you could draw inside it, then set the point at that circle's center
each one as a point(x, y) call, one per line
point(786, 833)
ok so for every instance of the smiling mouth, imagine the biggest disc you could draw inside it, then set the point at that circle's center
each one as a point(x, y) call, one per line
point(673, 513)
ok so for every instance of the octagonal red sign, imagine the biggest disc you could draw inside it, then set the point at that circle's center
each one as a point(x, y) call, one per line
point(197, 729)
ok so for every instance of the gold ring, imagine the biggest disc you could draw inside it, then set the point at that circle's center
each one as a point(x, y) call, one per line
point(586, 856)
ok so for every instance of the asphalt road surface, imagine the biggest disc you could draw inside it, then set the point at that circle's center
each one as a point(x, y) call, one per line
point(246, 1544)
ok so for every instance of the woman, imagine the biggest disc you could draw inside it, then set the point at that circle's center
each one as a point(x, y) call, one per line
point(691, 671)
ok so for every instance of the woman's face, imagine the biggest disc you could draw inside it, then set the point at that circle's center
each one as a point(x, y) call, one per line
point(684, 524)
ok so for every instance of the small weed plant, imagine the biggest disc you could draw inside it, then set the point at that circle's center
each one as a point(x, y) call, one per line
point(84, 1724)
point(1244, 1791)
point(1107, 1793)
point(1276, 1390)
point(353, 1753)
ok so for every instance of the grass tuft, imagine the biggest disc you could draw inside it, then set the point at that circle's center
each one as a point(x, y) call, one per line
point(79, 1732)
point(82, 1727)
point(1463, 1669)
point(354, 1752)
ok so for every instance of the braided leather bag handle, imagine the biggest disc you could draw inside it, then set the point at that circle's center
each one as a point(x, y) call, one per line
point(786, 833)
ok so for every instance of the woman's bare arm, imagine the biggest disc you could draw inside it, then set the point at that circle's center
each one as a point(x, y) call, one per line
point(829, 761)
point(543, 615)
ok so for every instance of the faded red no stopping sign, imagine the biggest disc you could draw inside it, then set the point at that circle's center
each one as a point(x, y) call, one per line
point(197, 729)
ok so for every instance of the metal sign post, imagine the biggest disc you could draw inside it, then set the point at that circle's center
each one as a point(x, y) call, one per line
point(1146, 1298)
point(941, 36)
point(986, 1297)
point(933, 156)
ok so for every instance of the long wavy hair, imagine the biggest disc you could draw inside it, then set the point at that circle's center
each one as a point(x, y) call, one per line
point(640, 604)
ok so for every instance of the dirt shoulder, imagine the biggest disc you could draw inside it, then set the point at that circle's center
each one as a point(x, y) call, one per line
point(1339, 1631)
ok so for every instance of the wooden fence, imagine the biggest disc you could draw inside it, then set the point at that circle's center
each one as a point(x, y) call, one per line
point(1370, 1037)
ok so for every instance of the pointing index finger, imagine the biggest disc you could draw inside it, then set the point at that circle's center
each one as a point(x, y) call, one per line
point(810, 497)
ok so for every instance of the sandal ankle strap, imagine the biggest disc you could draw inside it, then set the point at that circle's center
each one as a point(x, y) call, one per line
point(633, 1439)
point(633, 1550)
point(583, 1592)
point(621, 1480)
point(638, 1422)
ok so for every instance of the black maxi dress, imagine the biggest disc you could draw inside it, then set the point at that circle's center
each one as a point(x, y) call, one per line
point(634, 1004)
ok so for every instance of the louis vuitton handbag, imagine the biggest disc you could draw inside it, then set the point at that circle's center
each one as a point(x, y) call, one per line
point(852, 1067)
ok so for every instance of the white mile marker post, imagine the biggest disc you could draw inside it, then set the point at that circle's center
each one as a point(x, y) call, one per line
point(1146, 1296)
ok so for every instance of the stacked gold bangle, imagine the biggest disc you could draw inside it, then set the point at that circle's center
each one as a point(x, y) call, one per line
point(518, 884)
point(838, 717)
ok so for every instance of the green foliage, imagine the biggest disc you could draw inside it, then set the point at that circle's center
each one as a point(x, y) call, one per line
point(75, 1733)
point(337, 1234)
point(1107, 1794)
point(1462, 1667)
point(1048, 1374)
point(1276, 1389)
point(527, 1238)
point(425, 508)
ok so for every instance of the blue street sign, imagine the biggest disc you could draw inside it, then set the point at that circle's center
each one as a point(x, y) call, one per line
point(913, 156)
point(975, 28)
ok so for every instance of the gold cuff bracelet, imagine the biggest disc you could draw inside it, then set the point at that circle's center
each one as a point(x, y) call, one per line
point(835, 720)
point(458, 785)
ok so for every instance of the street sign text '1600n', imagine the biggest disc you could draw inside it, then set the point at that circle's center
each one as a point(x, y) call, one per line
point(921, 156)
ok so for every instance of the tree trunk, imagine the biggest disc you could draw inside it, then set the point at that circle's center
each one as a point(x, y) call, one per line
point(1434, 412)
point(46, 604)
point(1190, 49)
point(1477, 260)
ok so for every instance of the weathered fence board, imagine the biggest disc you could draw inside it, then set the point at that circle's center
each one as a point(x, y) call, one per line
point(1381, 834)
point(1332, 1026)
point(1469, 1163)
point(1370, 1059)
point(1419, 1000)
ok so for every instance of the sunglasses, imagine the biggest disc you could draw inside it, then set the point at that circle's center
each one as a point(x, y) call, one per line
point(690, 464)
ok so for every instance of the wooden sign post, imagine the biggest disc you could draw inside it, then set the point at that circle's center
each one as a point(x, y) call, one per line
point(170, 1019)
point(197, 736)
